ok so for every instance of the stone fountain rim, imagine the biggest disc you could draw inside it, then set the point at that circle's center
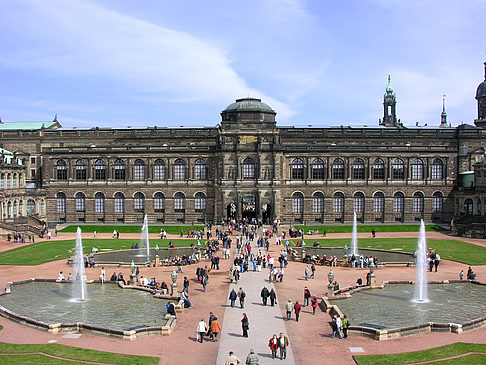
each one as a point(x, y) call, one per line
point(55, 328)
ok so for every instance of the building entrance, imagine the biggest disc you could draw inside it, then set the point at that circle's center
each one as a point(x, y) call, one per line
point(248, 207)
point(267, 214)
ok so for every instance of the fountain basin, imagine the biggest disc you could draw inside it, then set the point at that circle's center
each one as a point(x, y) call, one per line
point(390, 312)
point(125, 257)
point(108, 310)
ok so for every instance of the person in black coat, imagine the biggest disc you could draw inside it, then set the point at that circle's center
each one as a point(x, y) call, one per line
point(245, 325)
point(264, 294)
point(232, 298)
point(273, 297)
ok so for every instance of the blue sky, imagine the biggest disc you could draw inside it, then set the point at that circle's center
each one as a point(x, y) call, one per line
point(116, 63)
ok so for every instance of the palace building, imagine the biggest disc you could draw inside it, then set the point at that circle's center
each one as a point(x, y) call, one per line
point(246, 167)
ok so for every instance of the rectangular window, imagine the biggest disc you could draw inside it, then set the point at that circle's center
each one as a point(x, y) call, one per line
point(159, 204)
point(378, 204)
point(436, 172)
point(358, 204)
point(338, 204)
point(119, 205)
point(61, 205)
point(248, 171)
point(159, 172)
point(32, 160)
point(139, 204)
point(99, 205)
point(318, 205)
point(179, 172)
point(200, 204)
point(32, 173)
point(80, 205)
point(418, 204)
point(397, 204)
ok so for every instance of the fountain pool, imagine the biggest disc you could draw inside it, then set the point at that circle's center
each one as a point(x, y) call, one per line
point(107, 307)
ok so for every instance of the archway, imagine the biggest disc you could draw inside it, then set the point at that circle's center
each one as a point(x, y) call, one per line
point(248, 208)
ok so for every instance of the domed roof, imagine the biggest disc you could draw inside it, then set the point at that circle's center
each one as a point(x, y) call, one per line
point(481, 91)
point(249, 105)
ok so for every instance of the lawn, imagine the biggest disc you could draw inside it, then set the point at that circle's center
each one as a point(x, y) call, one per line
point(36, 354)
point(369, 228)
point(454, 250)
point(437, 353)
point(131, 229)
point(39, 253)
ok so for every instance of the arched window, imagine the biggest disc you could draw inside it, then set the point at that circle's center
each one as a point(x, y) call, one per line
point(248, 168)
point(437, 169)
point(61, 202)
point(379, 202)
point(61, 170)
point(119, 203)
point(417, 169)
point(80, 170)
point(338, 202)
point(318, 203)
point(159, 170)
point(318, 169)
point(200, 202)
point(179, 169)
point(297, 202)
point(418, 202)
point(338, 169)
point(2, 181)
point(358, 202)
point(378, 169)
point(139, 170)
point(99, 203)
point(42, 207)
point(179, 202)
point(20, 208)
point(437, 202)
point(14, 210)
point(358, 169)
point(30, 207)
point(9, 210)
point(20, 181)
point(398, 204)
point(200, 169)
point(139, 202)
point(159, 202)
point(119, 170)
point(100, 170)
point(9, 181)
point(398, 171)
point(14, 181)
point(297, 169)
point(468, 206)
point(80, 199)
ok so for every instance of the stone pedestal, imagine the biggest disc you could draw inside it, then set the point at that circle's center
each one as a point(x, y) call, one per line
point(133, 279)
point(157, 261)
point(330, 290)
point(173, 289)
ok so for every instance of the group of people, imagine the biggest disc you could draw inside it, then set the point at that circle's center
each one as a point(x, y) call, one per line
point(433, 260)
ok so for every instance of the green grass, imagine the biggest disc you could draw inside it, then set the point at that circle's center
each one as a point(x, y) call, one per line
point(454, 250)
point(131, 229)
point(368, 228)
point(39, 253)
point(66, 352)
point(436, 353)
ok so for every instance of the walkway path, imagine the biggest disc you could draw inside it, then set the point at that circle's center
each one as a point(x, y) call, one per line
point(264, 322)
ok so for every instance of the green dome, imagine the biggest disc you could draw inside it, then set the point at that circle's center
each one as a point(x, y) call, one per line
point(248, 105)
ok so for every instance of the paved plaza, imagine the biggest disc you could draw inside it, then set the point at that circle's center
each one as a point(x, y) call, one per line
point(310, 341)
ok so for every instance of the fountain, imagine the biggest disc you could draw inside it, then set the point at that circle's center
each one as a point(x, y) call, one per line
point(354, 237)
point(79, 283)
point(421, 294)
point(144, 239)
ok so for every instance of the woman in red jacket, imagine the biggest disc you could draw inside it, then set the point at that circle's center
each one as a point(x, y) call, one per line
point(273, 344)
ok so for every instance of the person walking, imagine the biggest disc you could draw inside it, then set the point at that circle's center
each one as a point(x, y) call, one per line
point(186, 284)
point(307, 273)
point(283, 342)
point(232, 359)
point(241, 297)
point(273, 344)
point(232, 297)
point(204, 282)
point(336, 327)
point(264, 294)
point(313, 270)
point(314, 304)
point(297, 309)
point(288, 308)
point(345, 326)
point(252, 358)
point(307, 295)
point(461, 275)
point(201, 330)
point(245, 325)
point(215, 328)
point(273, 297)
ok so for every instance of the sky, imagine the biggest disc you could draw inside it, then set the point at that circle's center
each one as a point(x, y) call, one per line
point(119, 63)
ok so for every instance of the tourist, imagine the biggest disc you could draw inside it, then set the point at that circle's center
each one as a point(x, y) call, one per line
point(137, 272)
point(307, 295)
point(336, 326)
point(288, 308)
point(336, 286)
point(170, 307)
point(185, 298)
point(373, 233)
point(436, 261)
point(241, 297)
point(245, 325)
point(273, 344)
point(232, 359)
point(232, 297)
point(461, 275)
point(252, 358)
point(313, 270)
point(113, 277)
point(359, 281)
point(164, 287)
point(215, 328)
point(297, 309)
point(273, 297)
point(283, 343)
point(94, 234)
point(204, 282)
point(120, 278)
point(102, 275)
point(314, 304)
point(60, 276)
point(201, 328)
point(186, 285)
point(70, 277)
point(345, 326)
point(264, 294)
point(306, 272)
